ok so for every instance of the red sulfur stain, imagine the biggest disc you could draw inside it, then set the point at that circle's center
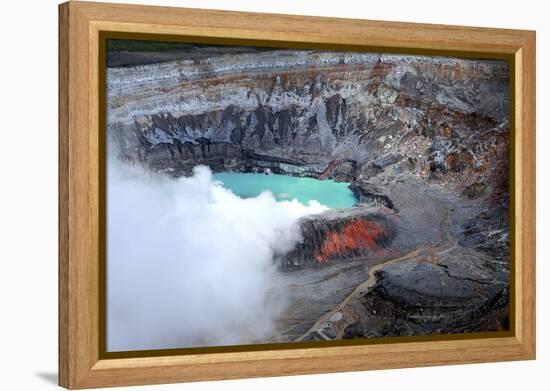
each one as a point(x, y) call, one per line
point(357, 235)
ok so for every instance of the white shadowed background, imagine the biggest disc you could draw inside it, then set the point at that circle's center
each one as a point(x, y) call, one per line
point(28, 200)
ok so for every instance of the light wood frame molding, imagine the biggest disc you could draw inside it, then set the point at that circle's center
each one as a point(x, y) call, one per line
point(80, 24)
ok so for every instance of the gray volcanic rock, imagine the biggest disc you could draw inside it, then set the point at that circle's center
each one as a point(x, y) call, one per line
point(342, 235)
point(315, 113)
point(463, 293)
point(367, 192)
point(489, 233)
point(447, 270)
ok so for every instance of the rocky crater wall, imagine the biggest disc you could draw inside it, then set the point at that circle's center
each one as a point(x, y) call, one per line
point(316, 113)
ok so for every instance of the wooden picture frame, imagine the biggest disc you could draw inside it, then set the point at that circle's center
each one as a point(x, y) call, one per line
point(81, 25)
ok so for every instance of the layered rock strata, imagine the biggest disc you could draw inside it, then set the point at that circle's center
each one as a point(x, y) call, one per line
point(317, 113)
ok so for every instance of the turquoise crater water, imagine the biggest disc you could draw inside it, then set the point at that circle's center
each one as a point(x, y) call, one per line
point(286, 188)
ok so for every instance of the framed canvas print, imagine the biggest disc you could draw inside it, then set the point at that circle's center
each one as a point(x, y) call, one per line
point(251, 195)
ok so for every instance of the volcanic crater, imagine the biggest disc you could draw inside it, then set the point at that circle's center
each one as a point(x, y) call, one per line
point(423, 142)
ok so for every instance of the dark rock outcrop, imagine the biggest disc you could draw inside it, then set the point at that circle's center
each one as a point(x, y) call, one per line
point(341, 235)
point(367, 192)
point(456, 295)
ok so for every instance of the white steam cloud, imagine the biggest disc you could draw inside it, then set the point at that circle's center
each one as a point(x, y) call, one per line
point(189, 263)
